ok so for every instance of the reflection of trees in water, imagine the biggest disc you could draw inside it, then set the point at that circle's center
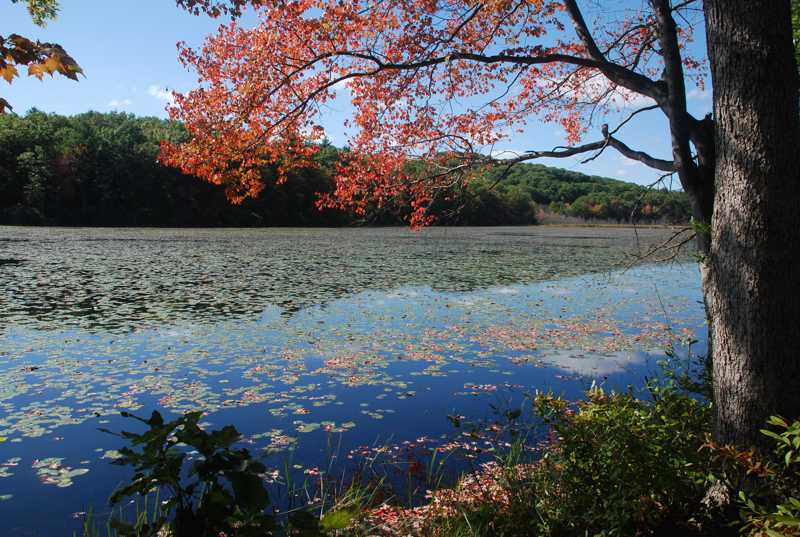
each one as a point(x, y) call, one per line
point(122, 279)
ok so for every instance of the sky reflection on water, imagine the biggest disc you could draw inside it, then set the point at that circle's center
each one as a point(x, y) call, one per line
point(295, 336)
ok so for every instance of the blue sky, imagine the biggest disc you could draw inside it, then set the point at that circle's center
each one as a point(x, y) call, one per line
point(128, 53)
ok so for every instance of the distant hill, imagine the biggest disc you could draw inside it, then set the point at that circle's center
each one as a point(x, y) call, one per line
point(592, 197)
point(99, 169)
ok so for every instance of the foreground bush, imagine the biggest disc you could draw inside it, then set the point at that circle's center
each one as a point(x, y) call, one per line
point(611, 465)
point(616, 465)
point(224, 494)
point(770, 504)
point(623, 466)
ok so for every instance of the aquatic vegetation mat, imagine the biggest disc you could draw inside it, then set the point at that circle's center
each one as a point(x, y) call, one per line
point(304, 339)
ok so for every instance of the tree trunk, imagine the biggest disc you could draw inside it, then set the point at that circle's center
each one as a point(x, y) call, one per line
point(752, 277)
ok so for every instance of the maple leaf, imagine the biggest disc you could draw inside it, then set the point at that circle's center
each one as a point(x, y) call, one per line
point(40, 58)
point(37, 70)
point(8, 72)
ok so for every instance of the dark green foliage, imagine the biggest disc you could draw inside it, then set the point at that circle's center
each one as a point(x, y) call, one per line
point(222, 491)
point(796, 29)
point(613, 464)
point(619, 465)
point(591, 197)
point(485, 203)
point(98, 169)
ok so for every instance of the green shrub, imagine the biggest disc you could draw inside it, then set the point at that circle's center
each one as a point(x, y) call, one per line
point(223, 494)
point(618, 465)
point(772, 507)
point(612, 465)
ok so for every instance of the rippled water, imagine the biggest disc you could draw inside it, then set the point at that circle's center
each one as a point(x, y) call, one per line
point(120, 279)
point(297, 335)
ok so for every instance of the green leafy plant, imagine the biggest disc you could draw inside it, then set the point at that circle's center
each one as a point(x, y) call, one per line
point(613, 464)
point(620, 465)
point(772, 508)
point(687, 372)
point(220, 492)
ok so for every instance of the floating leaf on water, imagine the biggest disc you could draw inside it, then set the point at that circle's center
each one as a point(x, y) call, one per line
point(51, 472)
point(303, 427)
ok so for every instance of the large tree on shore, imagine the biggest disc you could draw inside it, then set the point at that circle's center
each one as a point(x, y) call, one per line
point(752, 280)
point(442, 81)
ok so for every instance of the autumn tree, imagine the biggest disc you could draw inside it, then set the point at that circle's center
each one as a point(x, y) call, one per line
point(442, 82)
point(36, 57)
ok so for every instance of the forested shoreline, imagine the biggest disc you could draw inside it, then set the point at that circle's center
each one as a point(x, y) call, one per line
point(100, 169)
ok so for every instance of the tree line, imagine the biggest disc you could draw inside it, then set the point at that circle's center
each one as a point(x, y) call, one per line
point(100, 169)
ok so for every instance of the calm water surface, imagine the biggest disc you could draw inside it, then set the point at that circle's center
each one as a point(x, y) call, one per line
point(300, 335)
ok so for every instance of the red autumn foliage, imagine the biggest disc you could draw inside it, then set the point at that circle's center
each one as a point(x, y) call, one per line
point(431, 81)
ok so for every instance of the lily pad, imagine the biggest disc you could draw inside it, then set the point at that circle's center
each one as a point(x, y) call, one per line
point(303, 427)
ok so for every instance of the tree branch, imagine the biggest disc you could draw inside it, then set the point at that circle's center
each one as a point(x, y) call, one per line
point(641, 156)
point(479, 58)
point(672, 246)
point(675, 104)
point(607, 141)
point(618, 74)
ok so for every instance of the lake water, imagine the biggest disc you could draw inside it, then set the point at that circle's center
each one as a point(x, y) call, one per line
point(301, 336)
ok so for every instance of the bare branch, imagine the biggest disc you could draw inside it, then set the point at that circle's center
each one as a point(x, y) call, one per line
point(673, 246)
point(607, 141)
point(641, 156)
point(470, 56)
point(618, 74)
point(631, 116)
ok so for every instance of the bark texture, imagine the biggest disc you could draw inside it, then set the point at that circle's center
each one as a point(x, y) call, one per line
point(752, 276)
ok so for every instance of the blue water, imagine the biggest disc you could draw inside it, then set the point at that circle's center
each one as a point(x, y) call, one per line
point(373, 361)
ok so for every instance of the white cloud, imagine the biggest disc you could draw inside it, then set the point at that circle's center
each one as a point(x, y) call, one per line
point(698, 94)
point(503, 154)
point(160, 93)
point(619, 96)
point(119, 103)
point(597, 87)
point(607, 364)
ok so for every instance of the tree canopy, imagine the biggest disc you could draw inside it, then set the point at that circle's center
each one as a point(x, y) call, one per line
point(428, 80)
point(100, 169)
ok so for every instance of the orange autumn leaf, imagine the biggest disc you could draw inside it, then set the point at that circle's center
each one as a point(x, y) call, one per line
point(40, 58)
